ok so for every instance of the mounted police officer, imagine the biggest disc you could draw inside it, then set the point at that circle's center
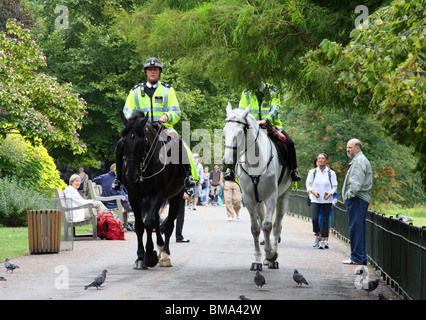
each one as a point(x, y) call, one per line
point(159, 99)
point(265, 106)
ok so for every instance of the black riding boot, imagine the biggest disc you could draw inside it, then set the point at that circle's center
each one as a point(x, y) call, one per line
point(186, 165)
point(116, 184)
point(292, 161)
point(189, 180)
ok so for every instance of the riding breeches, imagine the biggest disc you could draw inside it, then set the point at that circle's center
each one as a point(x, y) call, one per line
point(292, 160)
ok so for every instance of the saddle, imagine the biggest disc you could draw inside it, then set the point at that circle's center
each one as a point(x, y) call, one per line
point(280, 142)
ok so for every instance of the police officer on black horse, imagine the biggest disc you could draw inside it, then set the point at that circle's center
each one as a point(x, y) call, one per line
point(159, 99)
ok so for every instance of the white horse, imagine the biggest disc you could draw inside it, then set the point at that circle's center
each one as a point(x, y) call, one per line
point(265, 182)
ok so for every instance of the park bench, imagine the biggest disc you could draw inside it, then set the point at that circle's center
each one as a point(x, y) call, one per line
point(67, 211)
point(96, 194)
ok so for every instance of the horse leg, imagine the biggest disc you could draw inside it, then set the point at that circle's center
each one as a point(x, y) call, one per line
point(139, 229)
point(270, 253)
point(255, 231)
point(151, 258)
point(276, 231)
point(282, 205)
point(151, 222)
point(176, 205)
point(160, 241)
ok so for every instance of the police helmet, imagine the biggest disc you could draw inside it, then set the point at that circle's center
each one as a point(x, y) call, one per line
point(153, 63)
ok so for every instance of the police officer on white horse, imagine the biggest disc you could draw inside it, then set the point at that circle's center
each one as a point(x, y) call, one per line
point(265, 106)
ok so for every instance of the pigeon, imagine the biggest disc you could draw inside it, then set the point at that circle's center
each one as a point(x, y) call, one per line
point(243, 298)
point(3, 279)
point(382, 297)
point(10, 266)
point(259, 280)
point(372, 285)
point(100, 279)
point(299, 278)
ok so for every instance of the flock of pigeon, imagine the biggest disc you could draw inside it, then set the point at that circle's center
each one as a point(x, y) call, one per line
point(97, 282)
point(259, 280)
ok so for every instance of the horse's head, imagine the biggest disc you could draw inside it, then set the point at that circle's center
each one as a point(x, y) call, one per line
point(236, 125)
point(135, 140)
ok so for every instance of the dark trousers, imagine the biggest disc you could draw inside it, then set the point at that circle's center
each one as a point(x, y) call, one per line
point(316, 207)
point(292, 159)
point(180, 219)
point(357, 213)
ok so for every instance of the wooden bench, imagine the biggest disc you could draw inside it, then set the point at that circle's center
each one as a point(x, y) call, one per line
point(67, 215)
point(96, 194)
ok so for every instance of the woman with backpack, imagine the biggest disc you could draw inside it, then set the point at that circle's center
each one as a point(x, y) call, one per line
point(321, 183)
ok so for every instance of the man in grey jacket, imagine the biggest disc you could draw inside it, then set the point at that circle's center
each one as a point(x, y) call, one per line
point(357, 196)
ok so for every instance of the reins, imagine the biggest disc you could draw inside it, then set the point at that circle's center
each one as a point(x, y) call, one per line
point(254, 178)
point(148, 157)
point(144, 165)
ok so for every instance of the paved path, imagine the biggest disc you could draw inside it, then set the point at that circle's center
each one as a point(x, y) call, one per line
point(214, 265)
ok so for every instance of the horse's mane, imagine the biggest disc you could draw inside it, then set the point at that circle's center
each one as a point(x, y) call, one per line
point(135, 123)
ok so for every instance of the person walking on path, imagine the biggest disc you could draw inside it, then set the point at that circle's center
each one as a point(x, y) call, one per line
point(356, 195)
point(321, 184)
point(84, 178)
point(214, 183)
point(193, 200)
point(205, 187)
point(231, 193)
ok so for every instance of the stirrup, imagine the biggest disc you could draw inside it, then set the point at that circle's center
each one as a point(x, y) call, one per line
point(295, 176)
point(189, 182)
point(116, 185)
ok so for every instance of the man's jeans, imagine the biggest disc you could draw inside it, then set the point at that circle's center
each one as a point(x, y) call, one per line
point(357, 213)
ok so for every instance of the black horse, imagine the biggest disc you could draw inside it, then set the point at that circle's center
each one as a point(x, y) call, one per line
point(151, 178)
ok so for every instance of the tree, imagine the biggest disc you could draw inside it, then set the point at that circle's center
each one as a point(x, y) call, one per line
point(14, 9)
point(238, 42)
point(328, 130)
point(381, 72)
point(32, 102)
point(100, 64)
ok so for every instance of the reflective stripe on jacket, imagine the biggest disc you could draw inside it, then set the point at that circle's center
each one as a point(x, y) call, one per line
point(268, 109)
point(163, 101)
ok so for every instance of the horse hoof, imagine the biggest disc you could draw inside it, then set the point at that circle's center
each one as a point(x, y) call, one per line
point(151, 259)
point(165, 262)
point(273, 265)
point(275, 257)
point(255, 266)
point(139, 265)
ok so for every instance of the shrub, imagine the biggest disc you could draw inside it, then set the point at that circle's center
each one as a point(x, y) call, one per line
point(30, 164)
point(15, 200)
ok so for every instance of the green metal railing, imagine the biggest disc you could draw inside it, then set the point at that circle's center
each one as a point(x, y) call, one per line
point(397, 250)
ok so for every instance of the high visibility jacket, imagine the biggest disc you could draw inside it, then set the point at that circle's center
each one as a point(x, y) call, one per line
point(163, 101)
point(267, 108)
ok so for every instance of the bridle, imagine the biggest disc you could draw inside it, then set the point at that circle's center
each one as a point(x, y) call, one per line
point(246, 127)
point(145, 161)
point(254, 178)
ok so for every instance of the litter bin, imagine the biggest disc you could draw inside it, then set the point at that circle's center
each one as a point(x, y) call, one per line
point(44, 231)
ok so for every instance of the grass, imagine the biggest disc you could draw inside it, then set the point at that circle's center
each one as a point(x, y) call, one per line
point(14, 241)
point(417, 213)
